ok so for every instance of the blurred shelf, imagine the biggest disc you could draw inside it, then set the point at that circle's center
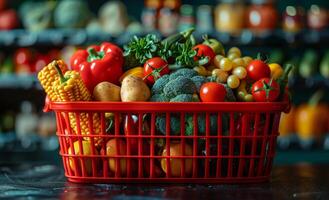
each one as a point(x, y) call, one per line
point(60, 37)
point(299, 156)
point(12, 81)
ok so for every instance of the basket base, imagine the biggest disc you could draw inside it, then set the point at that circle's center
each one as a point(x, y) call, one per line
point(170, 180)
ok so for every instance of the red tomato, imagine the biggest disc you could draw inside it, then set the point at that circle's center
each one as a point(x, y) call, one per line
point(265, 90)
point(258, 69)
point(8, 20)
point(154, 68)
point(204, 51)
point(212, 92)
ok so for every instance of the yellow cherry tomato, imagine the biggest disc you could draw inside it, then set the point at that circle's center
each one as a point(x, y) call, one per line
point(238, 62)
point(247, 60)
point(226, 64)
point(233, 81)
point(202, 71)
point(276, 70)
point(234, 50)
point(221, 75)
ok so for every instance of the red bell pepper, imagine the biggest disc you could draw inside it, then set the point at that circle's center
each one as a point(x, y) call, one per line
point(98, 64)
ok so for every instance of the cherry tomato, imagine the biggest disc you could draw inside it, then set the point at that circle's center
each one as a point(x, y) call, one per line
point(258, 69)
point(265, 90)
point(204, 51)
point(233, 81)
point(226, 64)
point(234, 50)
point(154, 68)
point(212, 92)
point(240, 72)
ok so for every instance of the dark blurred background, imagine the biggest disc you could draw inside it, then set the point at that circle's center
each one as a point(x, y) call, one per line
point(32, 33)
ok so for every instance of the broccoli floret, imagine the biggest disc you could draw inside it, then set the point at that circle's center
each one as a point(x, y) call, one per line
point(159, 84)
point(159, 98)
point(180, 85)
point(185, 72)
point(199, 81)
point(160, 123)
point(182, 98)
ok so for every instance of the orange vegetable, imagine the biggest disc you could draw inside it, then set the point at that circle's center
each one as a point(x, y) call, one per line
point(136, 71)
point(312, 118)
point(287, 122)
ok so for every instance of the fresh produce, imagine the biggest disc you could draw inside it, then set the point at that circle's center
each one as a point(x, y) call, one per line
point(265, 90)
point(287, 123)
point(136, 71)
point(98, 64)
point(86, 150)
point(204, 51)
point(308, 64)
point(220, 75)
point(258, 69)
point(37, 16)
point(48, 75)
point(68, 87)
point(117, 147)
point(233, 81)
point(276, 70)
point(214, 44)
point(243, 93)
point(8, 20)
point(106, 91)
point(324, 65)
point(283, 81)
point(212, 92)
point(138, 50)
point(175, 163)
point(134, 89)
point(71, 14)
point(311, 119)
point(154, 68)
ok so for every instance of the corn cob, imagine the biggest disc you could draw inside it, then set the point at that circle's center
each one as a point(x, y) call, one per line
point(48, 75)
point(70, 87)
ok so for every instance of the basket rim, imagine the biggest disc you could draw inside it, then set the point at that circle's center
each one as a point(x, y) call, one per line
point(80, 106)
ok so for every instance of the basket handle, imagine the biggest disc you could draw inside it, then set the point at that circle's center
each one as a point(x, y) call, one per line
point(46, 107)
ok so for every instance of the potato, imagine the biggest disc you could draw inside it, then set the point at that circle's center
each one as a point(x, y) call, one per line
point(134, 89)
point(106, 91)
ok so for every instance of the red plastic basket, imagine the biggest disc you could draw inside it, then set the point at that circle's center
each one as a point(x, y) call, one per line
point(240, 149)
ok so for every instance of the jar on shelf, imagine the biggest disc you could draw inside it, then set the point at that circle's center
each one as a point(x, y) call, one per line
point(293, 19)
point(204, 18)
point(262, 15)
point(169, 17)
point(150, 14)
point(186, 19)
point(230, 16)
point(317, 17)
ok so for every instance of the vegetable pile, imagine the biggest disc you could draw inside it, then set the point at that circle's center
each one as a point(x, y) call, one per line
point(175, 69)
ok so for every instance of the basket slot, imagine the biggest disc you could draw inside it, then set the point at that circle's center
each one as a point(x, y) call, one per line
point(103, 153)
point(219, 145)
point(118, 161)
point(168, 172)
point(140, 147)
point(182, 130)
point(152, 146)
point(231, 146)
point(195, 146)
point(260, 168)
point(81, 152)
point(271, 152)
point(254, 145)
point(92, 141)
point(244, 128)
point(206, 170)
point(74, 166)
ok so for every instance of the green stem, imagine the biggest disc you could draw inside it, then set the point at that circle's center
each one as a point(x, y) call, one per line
point(188, 32)
point(59, 71)
point(94, 55)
